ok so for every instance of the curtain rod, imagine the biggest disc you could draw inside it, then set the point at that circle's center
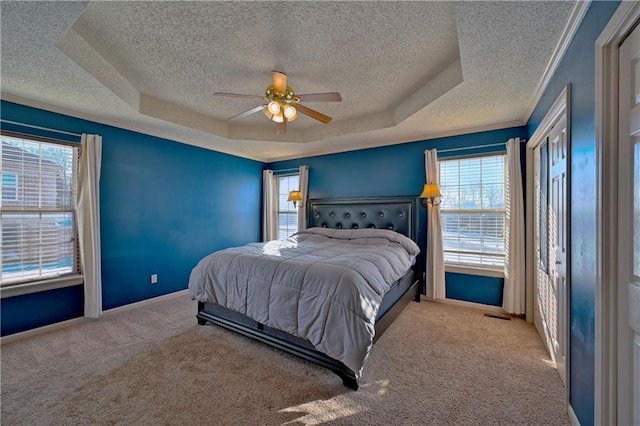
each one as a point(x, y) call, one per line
point(286, 170)
point(40, 128)
point(476, 146)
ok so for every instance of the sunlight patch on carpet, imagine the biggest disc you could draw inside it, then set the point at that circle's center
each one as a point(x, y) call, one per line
point(341, 406)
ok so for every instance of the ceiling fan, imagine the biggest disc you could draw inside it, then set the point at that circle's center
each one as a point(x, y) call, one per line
point(283, 105)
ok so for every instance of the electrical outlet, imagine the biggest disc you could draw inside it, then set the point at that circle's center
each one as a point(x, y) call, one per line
point(154, 278)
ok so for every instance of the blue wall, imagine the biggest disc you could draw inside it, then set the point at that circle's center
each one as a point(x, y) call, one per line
point(578, 69)
point(21, 313)
point(399, 170)
point(474, 288)
point(163, 206)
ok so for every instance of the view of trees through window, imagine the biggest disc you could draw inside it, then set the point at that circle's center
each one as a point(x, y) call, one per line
point(287, 213)
point(37, 210)
point(473, 210)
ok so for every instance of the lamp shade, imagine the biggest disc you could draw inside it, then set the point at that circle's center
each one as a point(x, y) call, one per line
point(431, 190)
point(273, 107)
point(295, 196)
point(289, 111)
point(277, 118)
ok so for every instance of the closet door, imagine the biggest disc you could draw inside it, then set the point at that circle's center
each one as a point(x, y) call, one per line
point(550, 159)
point(558, 150)
point(629, 232)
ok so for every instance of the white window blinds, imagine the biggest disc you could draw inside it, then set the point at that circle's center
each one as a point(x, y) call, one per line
point(287, 213)
point(473, 210)
point(37, 210)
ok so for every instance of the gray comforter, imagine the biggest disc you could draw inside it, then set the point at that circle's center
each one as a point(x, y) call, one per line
point(324, 285)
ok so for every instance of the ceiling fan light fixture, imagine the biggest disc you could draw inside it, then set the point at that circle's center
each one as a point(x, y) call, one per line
point(281, 104)
point(290, 112)
point(274, 107)
point(278, 118)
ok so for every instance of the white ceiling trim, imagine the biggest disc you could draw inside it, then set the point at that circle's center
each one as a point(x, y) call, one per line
point(575, 19)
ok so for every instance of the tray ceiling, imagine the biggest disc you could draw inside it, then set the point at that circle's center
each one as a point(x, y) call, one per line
point(406, 70)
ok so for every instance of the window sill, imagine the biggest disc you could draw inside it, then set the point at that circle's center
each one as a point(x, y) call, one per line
point(471, 270)
point(44, 285)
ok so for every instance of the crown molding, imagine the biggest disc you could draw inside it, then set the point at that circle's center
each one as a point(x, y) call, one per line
point(575, 19)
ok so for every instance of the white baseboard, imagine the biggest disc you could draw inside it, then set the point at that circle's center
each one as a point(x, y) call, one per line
point(573, 419)
point(464, 303)
point(76, 321)
point(145, 302)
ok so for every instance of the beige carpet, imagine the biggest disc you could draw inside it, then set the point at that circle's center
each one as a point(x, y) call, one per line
point(438, 364)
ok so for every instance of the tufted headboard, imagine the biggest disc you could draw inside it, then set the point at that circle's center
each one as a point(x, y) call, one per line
point(395, 213)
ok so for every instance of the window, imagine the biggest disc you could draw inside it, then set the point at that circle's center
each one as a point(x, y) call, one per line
point(287, 213)
point(473, 211)
point(37, 210)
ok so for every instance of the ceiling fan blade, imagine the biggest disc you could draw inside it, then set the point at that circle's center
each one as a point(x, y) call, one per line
point(248, 112)
point(237, 95)
point(281, 128)
point(279, 81)
point(313, 113)
point(320, 97)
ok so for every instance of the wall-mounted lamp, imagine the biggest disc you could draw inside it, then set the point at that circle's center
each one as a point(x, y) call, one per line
point(430, 192)
point(295, 197)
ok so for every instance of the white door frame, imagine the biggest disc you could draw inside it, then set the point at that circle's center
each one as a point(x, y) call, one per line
point(606, 109)
point(560, 107)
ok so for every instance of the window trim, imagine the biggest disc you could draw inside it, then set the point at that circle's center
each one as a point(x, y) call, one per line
point(458, 268)
point(469, 156)
point(30, 287)
point(37, 138)
point(293, 210)
point(70, 279)
point(467, 268)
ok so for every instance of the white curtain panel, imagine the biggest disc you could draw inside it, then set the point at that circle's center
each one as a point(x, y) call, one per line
point(304, 190)
point(269, 206)
point(88, 212)
point(513, 300)
point(435, 255)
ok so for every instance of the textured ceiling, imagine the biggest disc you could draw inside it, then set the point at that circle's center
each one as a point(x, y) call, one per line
point(406, 70)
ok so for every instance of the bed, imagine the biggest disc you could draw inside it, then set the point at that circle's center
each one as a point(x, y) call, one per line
point(316, 295)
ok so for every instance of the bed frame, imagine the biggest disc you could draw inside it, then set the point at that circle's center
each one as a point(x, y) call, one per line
point(394, 213)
